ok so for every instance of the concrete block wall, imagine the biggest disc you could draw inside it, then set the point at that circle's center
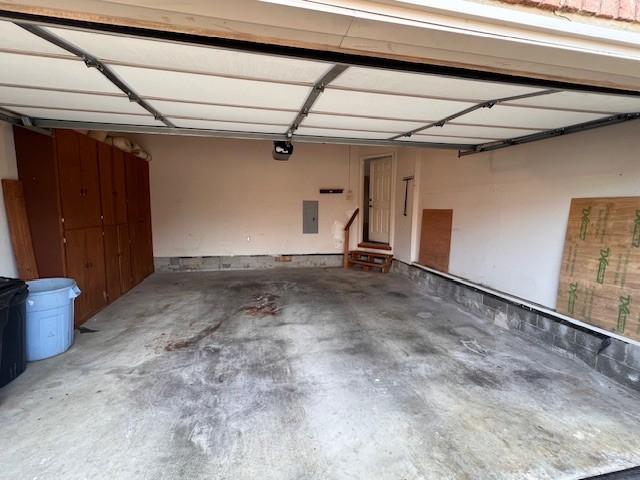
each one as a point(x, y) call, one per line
point(245, 262)
point(614, 358)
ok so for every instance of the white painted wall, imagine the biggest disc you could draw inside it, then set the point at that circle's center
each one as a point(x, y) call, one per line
point(229, 197)
point(8, 169)
point(511, 206)
point(407, 160)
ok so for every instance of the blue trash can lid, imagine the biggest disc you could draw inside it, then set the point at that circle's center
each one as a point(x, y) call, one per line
point(48, 285)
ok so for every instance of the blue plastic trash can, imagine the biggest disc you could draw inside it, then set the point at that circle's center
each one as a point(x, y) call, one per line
point(50, 317)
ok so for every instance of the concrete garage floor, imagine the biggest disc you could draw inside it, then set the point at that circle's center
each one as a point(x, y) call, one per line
point(308, 374)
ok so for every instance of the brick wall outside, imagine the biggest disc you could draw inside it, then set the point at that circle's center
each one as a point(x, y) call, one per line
point(623, 10)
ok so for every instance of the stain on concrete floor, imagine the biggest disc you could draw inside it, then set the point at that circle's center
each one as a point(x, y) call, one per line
point(308, 374)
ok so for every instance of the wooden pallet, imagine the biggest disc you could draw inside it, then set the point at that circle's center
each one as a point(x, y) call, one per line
point(369, 260)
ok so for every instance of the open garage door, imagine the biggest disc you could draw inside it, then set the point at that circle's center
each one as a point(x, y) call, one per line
point(70, 75)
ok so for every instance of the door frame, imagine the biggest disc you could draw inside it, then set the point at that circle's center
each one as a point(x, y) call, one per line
point(361, 203)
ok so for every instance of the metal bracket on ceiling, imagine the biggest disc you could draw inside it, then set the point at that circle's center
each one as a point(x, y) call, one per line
point(555, 132)
point(487, 104)
point(316, 91)
point(93, 62)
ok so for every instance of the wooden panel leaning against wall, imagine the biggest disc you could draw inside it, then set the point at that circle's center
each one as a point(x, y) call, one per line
point(435, 238)
point(84, 199)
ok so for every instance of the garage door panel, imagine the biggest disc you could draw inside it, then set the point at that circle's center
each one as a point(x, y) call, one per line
point(224, 113)
point(445, 139)
point(534, 118)
point(379, 80)
point(31, 97)
point(80, 116)
point(358, 123)
point(388, 106)
point(162, 84)
point(13, 37)
point(174, 56)
point(327, 132)
point(229, 126)
point(478, 131)
point(584, 101)
point(34, 71)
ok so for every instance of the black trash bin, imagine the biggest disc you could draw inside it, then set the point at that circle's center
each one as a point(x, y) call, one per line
point(13, 297)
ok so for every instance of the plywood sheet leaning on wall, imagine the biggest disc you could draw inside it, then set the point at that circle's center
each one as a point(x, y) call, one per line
point(435, 238)
point(19, 229)
point(600, 272)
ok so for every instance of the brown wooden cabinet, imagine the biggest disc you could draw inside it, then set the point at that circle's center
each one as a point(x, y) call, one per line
point(89, 213)
point(124, 258)
point(112, 262)
point(39, 175)
point(78, 179)
point(86, 265)
point(141, 250)
point(107, 188)
point(119, 186)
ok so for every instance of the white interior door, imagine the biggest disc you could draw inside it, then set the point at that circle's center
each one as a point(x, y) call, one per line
point(380, 200)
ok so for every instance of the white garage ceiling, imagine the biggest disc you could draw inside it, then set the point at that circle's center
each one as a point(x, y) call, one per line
point(69, 78)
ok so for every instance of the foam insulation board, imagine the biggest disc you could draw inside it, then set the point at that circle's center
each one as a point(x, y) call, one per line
point(600, 272)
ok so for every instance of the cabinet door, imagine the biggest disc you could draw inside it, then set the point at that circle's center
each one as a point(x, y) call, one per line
point(107, 190)
point(85, 264)
point(136, 231)
point(70, 178)
point(133, 187)
point(124, 257)
point(35, 158)
point(148, 248)
point(95, 280)
point(79, 181)
point(145, 190)
point(119, 185)
point(112, 262)
point(76, 258)
point(90, 181)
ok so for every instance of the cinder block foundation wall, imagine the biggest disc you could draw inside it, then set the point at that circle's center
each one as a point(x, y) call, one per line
point(245, 262)
point(615, 359)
